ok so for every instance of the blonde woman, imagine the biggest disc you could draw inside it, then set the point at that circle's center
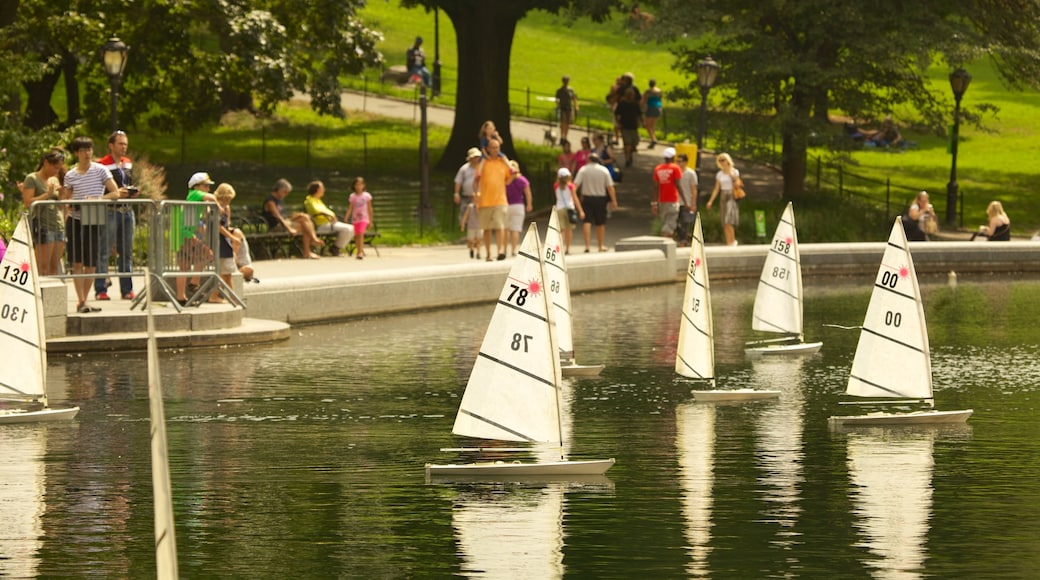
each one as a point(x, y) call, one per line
point(923, 212)
point(729, 210)
point(999, 228)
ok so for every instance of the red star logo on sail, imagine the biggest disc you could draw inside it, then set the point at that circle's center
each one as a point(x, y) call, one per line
point(534, 287)
point(557, 248)
point(24, 267)
point(789, 240)
point(904, 271)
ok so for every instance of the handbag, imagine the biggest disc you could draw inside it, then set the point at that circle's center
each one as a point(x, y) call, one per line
point(931, 226)
point(738, 189)
point(572, 216)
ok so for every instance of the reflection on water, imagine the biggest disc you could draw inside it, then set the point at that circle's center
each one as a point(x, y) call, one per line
point(305, 459)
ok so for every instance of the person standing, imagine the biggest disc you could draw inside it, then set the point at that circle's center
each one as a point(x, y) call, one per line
point(518, 196)
point(597, 195)
point(725, 179)
point(687, 200)
point(652, 109)
point(568, 206)
point(464, 184)
point(489, 187)
point(629, 117)
point(48, 229)
point(667, 176)
point(85, 224)
point(193, 254)
point(566, 107)
point(325, 220)
point(120, 222)
point(359, 214)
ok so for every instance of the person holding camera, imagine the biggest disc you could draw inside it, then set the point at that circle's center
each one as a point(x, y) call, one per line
point(119, 226)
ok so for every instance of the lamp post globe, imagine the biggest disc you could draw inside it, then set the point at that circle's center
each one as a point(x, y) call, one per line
point(707, 74)
point(959, 81)
point(113, 57)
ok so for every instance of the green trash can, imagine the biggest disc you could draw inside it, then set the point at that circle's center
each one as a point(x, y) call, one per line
point(760, 224)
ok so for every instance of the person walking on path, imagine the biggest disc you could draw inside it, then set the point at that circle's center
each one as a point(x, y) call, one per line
point(325, 219)
point(629, 117)
point(489, 187)
point(687, 200)
point(566, 107)
point(360, 214)
point(120, 222)
point(597, 196)
point(667, 176)
point(568, 206)
point(518, 195)
point(652, 109)
point(729, 210)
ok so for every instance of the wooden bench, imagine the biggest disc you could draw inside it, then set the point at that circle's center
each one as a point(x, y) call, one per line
point(267, 245)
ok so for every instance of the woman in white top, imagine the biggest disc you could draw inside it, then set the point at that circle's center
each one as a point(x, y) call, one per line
point(567, 202)
point(724, 180)
point(923, 212)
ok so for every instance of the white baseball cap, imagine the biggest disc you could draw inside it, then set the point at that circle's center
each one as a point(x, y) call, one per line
point(200, 178)
point(669, 153)
point(563, 172)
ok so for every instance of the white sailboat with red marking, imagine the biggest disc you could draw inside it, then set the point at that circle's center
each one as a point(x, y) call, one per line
point(893, 361)
point(513, 393)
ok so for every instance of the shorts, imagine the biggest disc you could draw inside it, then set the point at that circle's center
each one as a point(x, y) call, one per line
point(669, 214)
point(563, 214)
point(492, 218)
point(194, 252)
point(515, 217)
point(566, 115)
point(473, 234)
point(47, 235)
point(630, 137)
point(227, 266)
point(595, 207)
point(359, 228)
point(653, 112)
point(84, 243)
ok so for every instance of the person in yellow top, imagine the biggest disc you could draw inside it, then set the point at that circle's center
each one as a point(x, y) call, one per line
point(325, 220)
point(489, 191)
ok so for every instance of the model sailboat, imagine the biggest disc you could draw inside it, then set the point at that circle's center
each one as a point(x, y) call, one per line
point(778, 303)
point(695, 356)
point(560, 292)
point(22, 334)
point(513, 393)
point(892, 359)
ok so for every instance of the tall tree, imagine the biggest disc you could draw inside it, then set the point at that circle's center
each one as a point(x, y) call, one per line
point(790, 58)
point(484, 34)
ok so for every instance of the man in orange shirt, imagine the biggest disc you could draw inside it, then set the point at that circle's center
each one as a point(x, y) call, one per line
point(489, 191)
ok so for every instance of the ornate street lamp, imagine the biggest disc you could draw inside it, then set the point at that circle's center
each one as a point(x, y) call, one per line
point(707, 74)
point(959, 81)
point(113, 56)
point(436, 52)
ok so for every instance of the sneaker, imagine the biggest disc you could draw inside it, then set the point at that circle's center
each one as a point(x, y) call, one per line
point(500, 257)
point(102, 296)
point(129, 296)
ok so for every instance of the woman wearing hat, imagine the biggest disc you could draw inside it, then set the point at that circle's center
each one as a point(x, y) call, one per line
point(568, 206)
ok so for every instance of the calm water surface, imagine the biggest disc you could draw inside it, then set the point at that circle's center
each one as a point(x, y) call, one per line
point(305, 459)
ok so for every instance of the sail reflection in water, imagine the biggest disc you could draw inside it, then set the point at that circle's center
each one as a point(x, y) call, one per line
point(779, 453)
point(695, 443)
point(22, 484)
point(890, 472)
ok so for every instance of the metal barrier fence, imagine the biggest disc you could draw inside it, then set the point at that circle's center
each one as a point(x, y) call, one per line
point(176, 240)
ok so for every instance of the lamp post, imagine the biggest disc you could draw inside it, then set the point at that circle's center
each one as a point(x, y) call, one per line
point(113, 56)
point(707, 74)
point(436, 52)
point(425, 209)
point(959, 80)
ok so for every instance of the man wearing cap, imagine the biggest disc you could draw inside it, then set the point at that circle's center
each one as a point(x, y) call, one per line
point(667, 176)
point(192, 252)
point(416, 57)
point(566, 106)
point(597, 195)
point(464, 179)
point(119, 227)
point(489, 190)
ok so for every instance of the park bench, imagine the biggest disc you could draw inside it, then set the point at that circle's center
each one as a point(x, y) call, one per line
point(268, 245)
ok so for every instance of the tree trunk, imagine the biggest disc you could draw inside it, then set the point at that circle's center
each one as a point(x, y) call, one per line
point(795, 144)
point(484, 35)
point(70, 65)
point(38, 110)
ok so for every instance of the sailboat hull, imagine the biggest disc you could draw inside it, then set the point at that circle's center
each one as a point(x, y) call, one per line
point(734, 395)
point(577, 370)
point(915, 418)
point(20, 416)
point(510, 468)
point(784, 349)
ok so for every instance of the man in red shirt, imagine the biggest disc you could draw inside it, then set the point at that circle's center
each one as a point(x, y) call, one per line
point(667, 176)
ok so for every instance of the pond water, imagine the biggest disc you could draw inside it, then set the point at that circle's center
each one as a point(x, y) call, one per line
point(304, 459)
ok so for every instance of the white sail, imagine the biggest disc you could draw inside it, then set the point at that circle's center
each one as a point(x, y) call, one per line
point(165, 538)
point(512, 391)
point(778, 303)
point(892, 357)
point(695, 444)
point(559, 286)
point(22, 335)
point(695, 356)
point(890, 475)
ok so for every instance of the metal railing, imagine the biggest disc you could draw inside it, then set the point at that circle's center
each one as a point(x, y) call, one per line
point(176, 240)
